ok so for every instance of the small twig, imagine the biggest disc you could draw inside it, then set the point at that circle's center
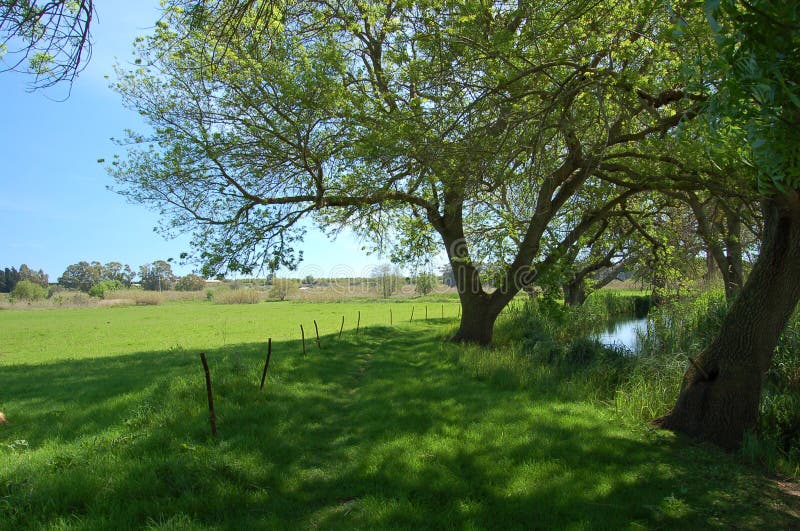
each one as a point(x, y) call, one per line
point(212, 417)
point(390, 317)
point(426, 313)
point(358, 323)
point(442, 311)
point(412, 314)
point(266, 363)
point(341, 328)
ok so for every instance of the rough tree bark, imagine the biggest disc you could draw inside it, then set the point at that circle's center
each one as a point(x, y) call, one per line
point(575, 292)
point(479, 310)
point(721, 389)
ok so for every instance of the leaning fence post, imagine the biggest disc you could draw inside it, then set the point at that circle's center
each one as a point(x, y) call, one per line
point(266, 363)
point(341, 328)
point(358, 323)
point(303, 337)
point(412, 314)
point(316, 329)
point(212, 417)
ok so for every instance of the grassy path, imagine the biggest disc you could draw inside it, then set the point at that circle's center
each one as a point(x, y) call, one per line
point(377, 431)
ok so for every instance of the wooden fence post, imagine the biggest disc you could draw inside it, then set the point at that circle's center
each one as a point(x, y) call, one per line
point(303, 336)
point(212, 417)
point(316, 329)
point(358, 323)
point(341, 328)
point(266, 363)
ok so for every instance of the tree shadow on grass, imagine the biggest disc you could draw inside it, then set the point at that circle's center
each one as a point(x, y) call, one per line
point(374, 431)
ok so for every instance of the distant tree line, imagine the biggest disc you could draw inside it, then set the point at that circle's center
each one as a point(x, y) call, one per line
point(10, 277)
point(96, 278)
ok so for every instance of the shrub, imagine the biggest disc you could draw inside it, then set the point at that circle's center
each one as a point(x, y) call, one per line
point(137, 296)
point(239, 296)
point(425, 282)
point(282, 288)
point(101, 288)
point(27, 290)
point(191, 283)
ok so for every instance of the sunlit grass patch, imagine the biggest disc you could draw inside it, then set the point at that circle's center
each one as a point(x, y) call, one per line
point(384, 429)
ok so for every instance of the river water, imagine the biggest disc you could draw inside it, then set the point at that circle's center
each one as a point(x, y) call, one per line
point(623, 334)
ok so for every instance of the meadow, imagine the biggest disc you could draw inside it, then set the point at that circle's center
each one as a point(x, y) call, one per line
point(392, 427)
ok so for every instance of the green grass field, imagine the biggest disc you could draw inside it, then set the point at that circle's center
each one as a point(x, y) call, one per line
point(108, 429)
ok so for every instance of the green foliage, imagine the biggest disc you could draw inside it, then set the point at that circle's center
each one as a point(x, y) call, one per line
point(25, 290)
point(190, 283)
point(465, 118)
point(37, 277)
point(10, 276)
point(425, 283)
point(779, 423)
point(608, 305)
point(8, 279)
point(757, 93)
point(83, 275)
point(101, 288)
point(283, 288)
point(545, 338)
point(157, 276)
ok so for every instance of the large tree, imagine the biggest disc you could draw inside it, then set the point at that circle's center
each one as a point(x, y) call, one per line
point(82, 275)
point(756, 80)
point(474, 126)
point(157, 276)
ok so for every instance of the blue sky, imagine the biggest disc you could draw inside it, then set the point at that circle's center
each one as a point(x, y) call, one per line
point(55, 209)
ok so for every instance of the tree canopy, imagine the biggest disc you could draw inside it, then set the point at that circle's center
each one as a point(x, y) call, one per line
point(503, 133)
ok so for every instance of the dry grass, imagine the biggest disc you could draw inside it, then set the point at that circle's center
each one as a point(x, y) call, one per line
point(135, 296)
point(239, 296)
point(342, 291)
point(62, 299)
point(141, 297)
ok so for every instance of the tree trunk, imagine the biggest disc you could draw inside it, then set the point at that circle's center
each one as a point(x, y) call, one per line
point(479, 310)
point(721, 389)
point(734, 270)
point(574, 292)
point(477, 319)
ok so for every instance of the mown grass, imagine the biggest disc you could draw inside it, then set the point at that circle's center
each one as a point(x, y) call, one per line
point(380, 430)
point(34, 337)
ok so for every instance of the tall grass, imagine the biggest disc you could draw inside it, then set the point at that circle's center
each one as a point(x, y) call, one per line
point(544, 345)
point(150, 298)
point(58, 299)
point(777, 444)
point(239, 296)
